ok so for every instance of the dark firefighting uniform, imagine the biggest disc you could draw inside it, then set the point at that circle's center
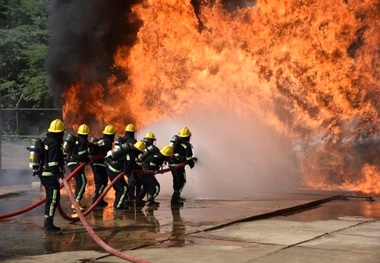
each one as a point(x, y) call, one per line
point(183, 153)
point(99, 166)
point(134, 185)
point(77, 157)
point(130, 167)
point(129, 137)
point(153, 162)
point(53, 169)
point(114, 168)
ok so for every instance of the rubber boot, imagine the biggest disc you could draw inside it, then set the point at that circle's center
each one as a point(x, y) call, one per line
point(139, 202)
point(50, 228)
point(150, 202)
point(175, 199)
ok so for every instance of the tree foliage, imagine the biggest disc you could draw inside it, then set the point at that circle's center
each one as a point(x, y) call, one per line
point(23, 45)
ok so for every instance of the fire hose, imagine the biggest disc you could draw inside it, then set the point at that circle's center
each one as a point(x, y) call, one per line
point(32, 206)
point(88, 228)
point(64, 183)
point(108, 187)
point(95, 237)
point(28, 208)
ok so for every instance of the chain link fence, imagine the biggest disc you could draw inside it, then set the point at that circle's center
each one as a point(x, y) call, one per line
point(19, 125)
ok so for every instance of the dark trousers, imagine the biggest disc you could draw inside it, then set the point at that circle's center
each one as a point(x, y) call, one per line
point(179, 179)
point(151, 185)
point(134, 185)
point(80, 181)
point(100, 180)
point(53, 194)
point(120, 187)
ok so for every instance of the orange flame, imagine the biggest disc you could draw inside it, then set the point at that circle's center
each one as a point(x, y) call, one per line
point(308, 68)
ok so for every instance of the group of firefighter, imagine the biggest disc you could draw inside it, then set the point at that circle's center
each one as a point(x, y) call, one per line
point(109, 156)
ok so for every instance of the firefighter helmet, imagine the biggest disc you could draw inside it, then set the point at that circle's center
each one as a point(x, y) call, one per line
point(109, 130)
point(56, 126)
point(140, 145)
point(150, 135)
point(83, 130)
point(167, 151)
point(130, 128)
point(184, 132)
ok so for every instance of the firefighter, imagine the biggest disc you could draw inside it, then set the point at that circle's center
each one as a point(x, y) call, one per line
point(154, 162)
point(129, 137)
point(150, 140)
point(52, 173)
point(183, 153)
point(131, 166)
point(150, 147)
point(99, 167)
point(114, 168)
point(78, 156)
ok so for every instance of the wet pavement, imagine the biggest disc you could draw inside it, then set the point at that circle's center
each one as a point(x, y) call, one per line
point(302, 226)
point(298, 226)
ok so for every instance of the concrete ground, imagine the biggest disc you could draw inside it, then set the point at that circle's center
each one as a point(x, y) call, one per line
point(304, 226)
point(298, 226)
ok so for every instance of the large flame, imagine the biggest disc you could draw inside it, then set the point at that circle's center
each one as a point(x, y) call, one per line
point(308, 68)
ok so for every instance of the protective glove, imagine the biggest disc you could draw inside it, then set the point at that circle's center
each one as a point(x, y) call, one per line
point(190, 163)
point(195, 159)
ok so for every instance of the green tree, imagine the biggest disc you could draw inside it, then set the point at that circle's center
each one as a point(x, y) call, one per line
point(23, 45)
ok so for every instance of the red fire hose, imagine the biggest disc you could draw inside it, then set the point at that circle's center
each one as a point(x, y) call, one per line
point(108, 187)
point(91, 232)
point(28, 208)
point(95, 237)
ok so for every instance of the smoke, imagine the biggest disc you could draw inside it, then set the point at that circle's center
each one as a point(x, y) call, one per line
point(84, 38)
point(238, 158)
point(15, 165)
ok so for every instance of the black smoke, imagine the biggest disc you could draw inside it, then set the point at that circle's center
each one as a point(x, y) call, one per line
point(84, 37)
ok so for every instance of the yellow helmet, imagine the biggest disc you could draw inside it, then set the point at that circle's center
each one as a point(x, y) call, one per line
point(83, 130)
point(150, 135)
point(130, 128)
point(140, 145)
point(56, 126)
point(184, 132)
point(109, 130)
point(167, 151)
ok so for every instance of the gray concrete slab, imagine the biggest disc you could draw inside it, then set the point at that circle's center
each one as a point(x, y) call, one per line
point(280, 228)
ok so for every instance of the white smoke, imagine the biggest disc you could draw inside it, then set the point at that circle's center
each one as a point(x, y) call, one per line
point(237, 158)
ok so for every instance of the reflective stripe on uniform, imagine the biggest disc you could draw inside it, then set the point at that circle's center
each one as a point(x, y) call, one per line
point(99, 164)
point(125, 190)
point(184, 145)
point(52, 163)
point(113, 169)
point(152, 164)
point(72, 163)
point(47, 174)
point(53, 202)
